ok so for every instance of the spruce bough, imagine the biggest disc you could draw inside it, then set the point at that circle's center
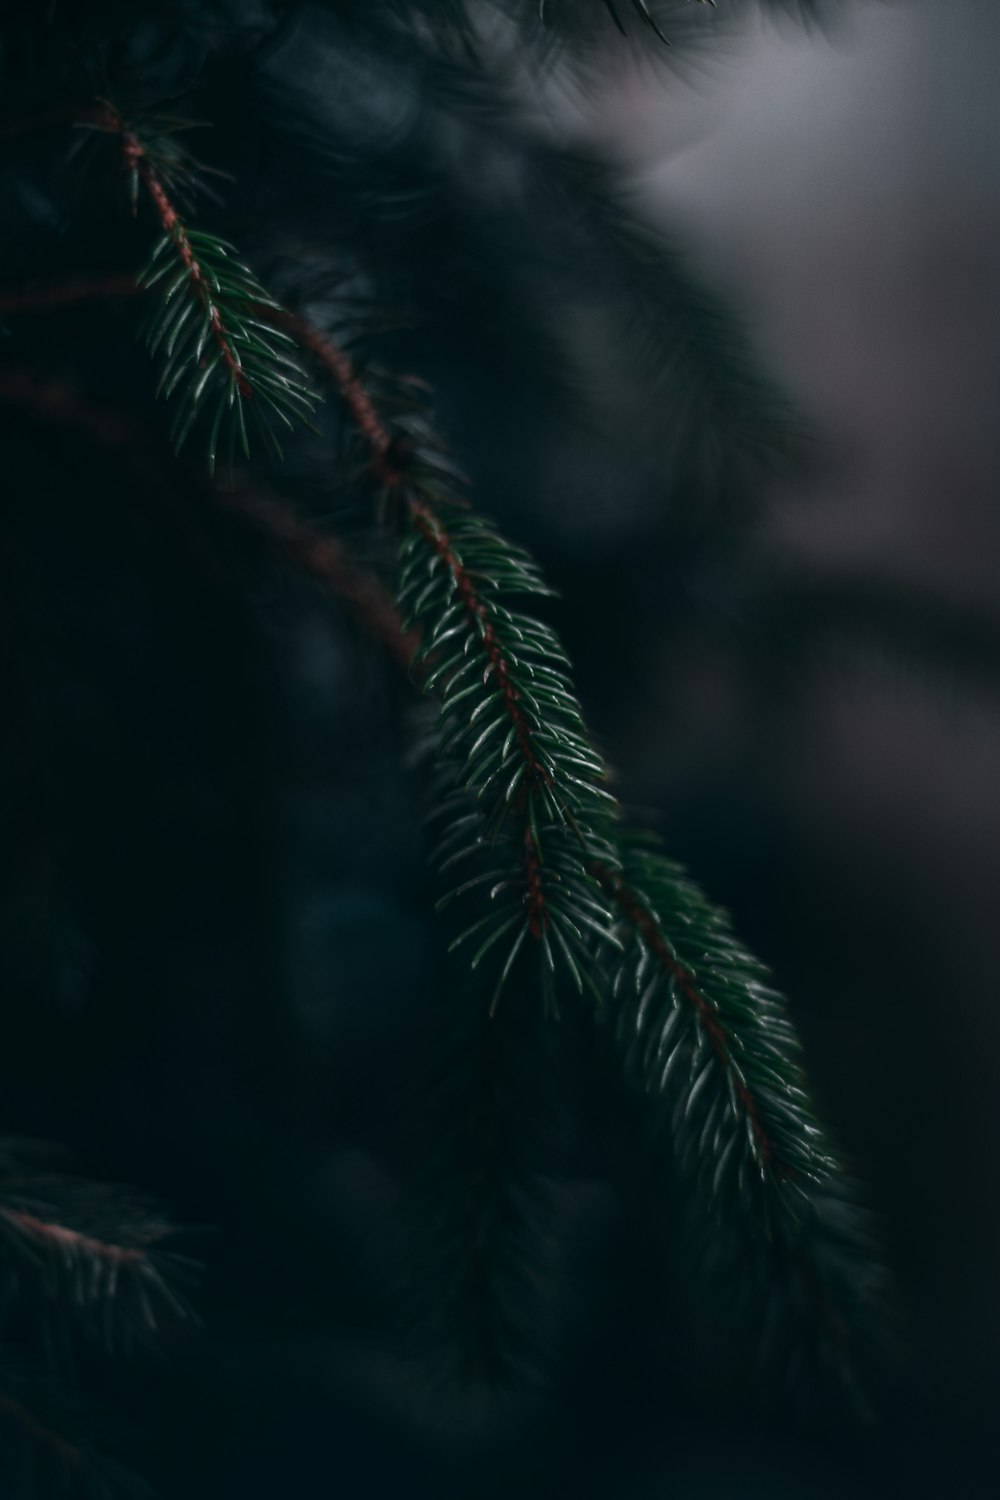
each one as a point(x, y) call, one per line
point(548, 898)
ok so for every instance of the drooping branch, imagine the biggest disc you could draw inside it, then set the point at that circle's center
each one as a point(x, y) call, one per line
point(509, 718)
point(174, 229)
point(218, 350)
point(530, 814)
point(781, 1254)
point(501, 667)
point(109, 1265)
point(646, 926)
point(721, 1069)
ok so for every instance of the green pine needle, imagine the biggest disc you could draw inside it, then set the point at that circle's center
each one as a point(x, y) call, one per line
point(225, 365)
point(772, 1223)
point(531, 796)
point(222, 360)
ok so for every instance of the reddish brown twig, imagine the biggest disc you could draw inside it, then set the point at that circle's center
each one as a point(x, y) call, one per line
point(57, 402)
point(162, 482)
point(57, 296)
point(327, 560)
point(102, 114)
point(352, 389)
point(70, 1243)
point(137, 161)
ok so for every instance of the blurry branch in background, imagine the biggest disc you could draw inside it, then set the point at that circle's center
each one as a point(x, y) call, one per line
point(87, 1273)
point(788, 623)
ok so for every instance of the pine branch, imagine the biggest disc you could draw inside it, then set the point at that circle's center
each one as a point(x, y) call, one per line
point(737, 1026)
point(529, 820)
point(784, 1257)
point(492, 1244)
point(509, 717)
point(82, 1246)
point(729, 1085)
point(735, 1105)
point(220, 357)
point(85, 1274)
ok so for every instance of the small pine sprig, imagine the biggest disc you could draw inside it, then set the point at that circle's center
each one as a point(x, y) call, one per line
point(532, 798)
point(784, 1254)
point(223, 354)
point(73, 1244)
point(85, 1273)
point(530, 810)
point(725, 424)
point(220, 357)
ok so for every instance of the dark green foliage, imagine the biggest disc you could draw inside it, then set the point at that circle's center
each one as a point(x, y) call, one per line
point(531, 796)
point(721, 423)
point(694, 1007)
point(677, 371)
point(220, 358)
point(98, 1251)
point(87, 1276)
point(784, 1257)
point(564, 923)
point(702, 1034)
point(898, 625)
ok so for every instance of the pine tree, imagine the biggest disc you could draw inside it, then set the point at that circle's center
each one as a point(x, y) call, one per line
point(241, 242)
